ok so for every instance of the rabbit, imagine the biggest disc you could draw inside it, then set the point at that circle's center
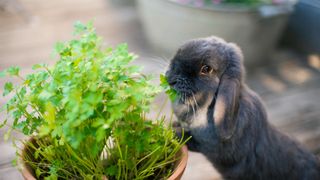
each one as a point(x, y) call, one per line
point(227, 121)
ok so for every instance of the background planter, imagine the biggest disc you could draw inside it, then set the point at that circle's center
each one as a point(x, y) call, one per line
point(28, 173)
point(168, 24)
point(122, 3)
point(304, 27)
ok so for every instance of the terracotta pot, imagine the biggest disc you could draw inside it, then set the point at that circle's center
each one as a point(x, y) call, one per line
point(180, 165)
point(28, 173)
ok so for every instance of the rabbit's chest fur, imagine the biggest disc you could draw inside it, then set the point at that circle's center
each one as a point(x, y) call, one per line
point(190, 120)
point(192, 116)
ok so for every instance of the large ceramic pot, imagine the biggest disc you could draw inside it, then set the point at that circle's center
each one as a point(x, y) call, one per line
point(28, 172)
point(122, 3)
point(168, 24)
point(304, 26)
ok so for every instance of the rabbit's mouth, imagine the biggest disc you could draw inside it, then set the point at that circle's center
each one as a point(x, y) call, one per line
point(185, 97)
point(186, 106)
point(190, 102)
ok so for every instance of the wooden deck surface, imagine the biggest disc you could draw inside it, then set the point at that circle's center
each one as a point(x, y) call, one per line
point(289, 85)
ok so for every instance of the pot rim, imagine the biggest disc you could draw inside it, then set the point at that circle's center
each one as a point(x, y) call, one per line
point(179, 170)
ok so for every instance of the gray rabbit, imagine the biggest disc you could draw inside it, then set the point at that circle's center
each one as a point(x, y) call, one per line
point(227, 120)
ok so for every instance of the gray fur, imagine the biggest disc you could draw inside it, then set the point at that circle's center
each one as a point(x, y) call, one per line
point(227, 120)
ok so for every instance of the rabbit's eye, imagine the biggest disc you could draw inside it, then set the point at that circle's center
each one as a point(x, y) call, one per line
point(205, 69)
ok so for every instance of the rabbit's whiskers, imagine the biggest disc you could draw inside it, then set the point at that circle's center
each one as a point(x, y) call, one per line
point(195, 101)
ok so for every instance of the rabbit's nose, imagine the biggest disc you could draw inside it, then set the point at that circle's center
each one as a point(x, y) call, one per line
point(172, 82)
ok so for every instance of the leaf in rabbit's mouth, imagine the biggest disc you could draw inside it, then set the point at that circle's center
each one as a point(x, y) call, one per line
point(172, 93)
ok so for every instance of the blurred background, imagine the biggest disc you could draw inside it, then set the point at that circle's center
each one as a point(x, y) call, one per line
point(279, 38)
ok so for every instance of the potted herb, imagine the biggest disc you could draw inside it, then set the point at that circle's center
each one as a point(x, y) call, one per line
point(253, 24)
point(86, 116)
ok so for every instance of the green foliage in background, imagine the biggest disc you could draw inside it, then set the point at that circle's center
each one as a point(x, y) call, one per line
point(87, 114)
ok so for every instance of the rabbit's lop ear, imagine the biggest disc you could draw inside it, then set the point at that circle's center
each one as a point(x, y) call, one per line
point(227, 97)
